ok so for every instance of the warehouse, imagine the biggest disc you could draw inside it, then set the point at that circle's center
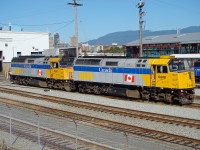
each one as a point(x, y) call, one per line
point(13, 44)
point(154, 46)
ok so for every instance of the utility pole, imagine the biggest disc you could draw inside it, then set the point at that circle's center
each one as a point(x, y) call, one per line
point(75, 4)
point(141, 14)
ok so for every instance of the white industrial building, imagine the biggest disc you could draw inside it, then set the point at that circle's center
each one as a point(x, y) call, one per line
point(13, 44)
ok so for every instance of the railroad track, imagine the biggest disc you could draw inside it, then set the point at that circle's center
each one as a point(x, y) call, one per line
point(110, 109)
point(194, 105)
point(48, 138)
point(197, 97)
point(6, 83)
point(119, 127)
point(197, 84)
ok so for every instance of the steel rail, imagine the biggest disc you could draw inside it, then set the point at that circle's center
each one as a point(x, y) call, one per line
point(110, 109)
point(120, 127)
point(28, 131)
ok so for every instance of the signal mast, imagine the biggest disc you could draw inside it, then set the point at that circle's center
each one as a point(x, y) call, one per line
point(75, 4)
point(141, 14)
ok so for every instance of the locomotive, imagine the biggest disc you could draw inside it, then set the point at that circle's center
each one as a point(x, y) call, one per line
point(197, 70)
point(194, 60)
point(165, 79)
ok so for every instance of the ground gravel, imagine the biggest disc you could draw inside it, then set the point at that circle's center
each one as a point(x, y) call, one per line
point(164, 109)
point(197, 92)
point(135, 105)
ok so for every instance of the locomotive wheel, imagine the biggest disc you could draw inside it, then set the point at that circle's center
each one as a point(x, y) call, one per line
point(81, 89)
point(96, 90)
point(169, 98)
point(145, 95)
point(26, 82)
point(50, 84)
point(183, 100)
point(59, 86)
point(67, 87)
point(55, 86)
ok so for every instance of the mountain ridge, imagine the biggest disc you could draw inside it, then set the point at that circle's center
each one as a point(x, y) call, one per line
point(124, 37)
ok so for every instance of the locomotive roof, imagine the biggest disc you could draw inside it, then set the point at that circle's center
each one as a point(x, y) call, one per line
point(186, 55)
point(120, 57)
point(31, 56)
point(23, 58)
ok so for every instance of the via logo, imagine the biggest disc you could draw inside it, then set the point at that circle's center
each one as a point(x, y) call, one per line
point(106, 70)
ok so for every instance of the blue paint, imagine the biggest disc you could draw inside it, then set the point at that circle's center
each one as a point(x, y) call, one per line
point(32, 66)
point(197, 71)
point(113, 70)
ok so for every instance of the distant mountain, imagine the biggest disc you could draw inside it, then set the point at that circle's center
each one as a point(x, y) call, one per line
point(125, 37)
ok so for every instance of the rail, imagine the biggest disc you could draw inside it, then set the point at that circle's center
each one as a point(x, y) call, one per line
point(115, 126)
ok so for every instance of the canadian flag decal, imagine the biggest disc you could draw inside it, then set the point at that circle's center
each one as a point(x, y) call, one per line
point(129, 78)
point(39, 72)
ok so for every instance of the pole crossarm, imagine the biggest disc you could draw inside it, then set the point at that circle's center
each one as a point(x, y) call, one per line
point(75, 4)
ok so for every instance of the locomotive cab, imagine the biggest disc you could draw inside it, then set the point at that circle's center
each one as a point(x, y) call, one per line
point(197, 70)
point(174, 78)
point(182, 79)
point(58, 72)
point(182, 74)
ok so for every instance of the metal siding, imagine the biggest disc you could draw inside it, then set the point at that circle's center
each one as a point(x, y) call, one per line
point(113, 70)
point(197, 71)
point(31, 69)
point(171, 38)
point(117, 78)
point(115, 74)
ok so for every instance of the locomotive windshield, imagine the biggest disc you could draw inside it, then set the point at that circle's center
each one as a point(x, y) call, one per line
point(180, 65)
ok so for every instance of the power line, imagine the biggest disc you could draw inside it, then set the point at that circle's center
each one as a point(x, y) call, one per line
point(30, 25)
point(43, 35)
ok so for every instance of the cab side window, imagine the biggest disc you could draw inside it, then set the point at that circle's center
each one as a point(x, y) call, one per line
point(55, 65)
point(159, 69)
point(162, 69)
point(165, 69)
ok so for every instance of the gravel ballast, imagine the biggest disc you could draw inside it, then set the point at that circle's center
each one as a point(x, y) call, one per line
point(174, 110)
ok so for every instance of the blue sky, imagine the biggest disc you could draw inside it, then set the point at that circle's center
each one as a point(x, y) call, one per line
point(97, 18)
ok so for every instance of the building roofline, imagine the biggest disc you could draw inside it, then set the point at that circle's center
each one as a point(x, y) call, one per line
point(22, 32)
point(168, 38)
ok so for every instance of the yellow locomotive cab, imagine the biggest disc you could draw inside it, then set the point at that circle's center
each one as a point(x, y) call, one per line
point(58, 72)
point(174, 74)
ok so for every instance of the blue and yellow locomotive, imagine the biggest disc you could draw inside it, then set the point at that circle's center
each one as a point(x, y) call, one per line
point(51, 72)
point(165, 79)
point(197, 70)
